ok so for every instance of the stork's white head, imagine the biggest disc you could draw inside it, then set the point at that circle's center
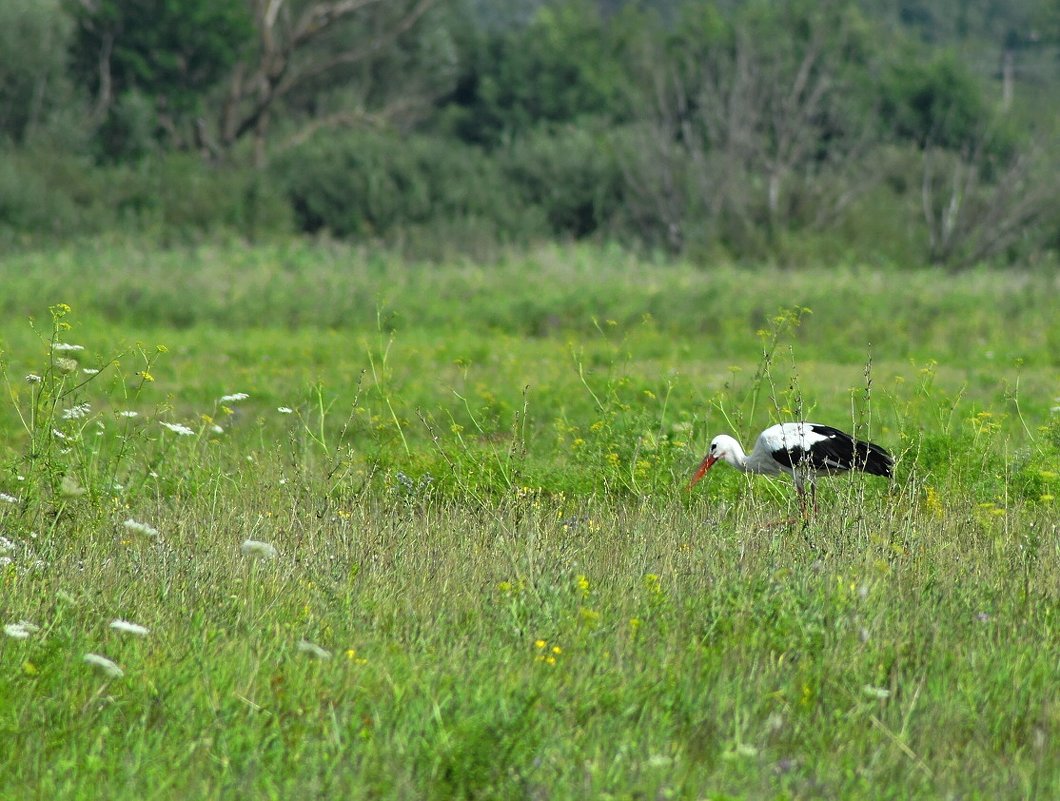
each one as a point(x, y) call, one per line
point(722, 448)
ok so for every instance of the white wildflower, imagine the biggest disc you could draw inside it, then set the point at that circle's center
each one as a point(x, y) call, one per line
point(106, 665)
point(178, 428)
point(217, 429)
point(77, 412)
point(66, 347)
point(137, 527)
point(313, 649)
point(59, 434)
point(258, 548)
point(5, 561)
point(129, 628)
point(238, 396)
point(65, 365)
point(7, 499)
point(20, 630)
point(6, 544)
point(33, 378)
point(285, 410)
point(128, 413)
point(876, 692)
point(90, 371)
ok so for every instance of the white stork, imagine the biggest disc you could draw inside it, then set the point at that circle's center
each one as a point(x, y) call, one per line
point(803, 450)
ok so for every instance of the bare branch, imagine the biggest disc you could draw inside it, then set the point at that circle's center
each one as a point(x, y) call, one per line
point(278, 72)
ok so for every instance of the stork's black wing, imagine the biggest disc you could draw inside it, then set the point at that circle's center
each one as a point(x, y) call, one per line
point(835, 451)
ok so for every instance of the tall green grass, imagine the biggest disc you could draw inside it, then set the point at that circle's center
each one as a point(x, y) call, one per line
point(488, 581)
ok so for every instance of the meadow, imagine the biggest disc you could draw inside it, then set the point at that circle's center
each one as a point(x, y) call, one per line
point(332, 524)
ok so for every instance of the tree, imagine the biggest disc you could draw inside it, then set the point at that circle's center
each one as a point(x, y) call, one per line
point(562, 62)
point(171, 53)
point(760, 105)
point(33, 41)
point(302, 50)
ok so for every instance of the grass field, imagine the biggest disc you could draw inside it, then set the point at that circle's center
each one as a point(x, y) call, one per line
point(473, 571)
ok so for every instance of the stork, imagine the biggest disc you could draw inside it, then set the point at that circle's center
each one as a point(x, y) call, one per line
point(802, 450)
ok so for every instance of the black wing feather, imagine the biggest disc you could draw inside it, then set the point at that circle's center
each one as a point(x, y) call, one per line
point(838, 452)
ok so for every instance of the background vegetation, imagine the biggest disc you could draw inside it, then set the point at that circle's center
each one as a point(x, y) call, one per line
point(488, 580)
point(356, 354)
point(796, 132)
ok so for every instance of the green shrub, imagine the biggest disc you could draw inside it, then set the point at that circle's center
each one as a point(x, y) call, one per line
point(368, 184)
point(570, 173)
point(48, 195)
point(178, 196)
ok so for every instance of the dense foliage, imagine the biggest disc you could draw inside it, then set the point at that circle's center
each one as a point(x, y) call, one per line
point(793, 131)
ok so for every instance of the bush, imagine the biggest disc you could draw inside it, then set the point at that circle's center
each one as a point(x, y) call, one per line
point(367, 184)
point(179, 196)
point(46, 195)
point(570, 173)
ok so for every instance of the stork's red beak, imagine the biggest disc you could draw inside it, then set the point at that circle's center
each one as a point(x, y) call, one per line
point(702, 471)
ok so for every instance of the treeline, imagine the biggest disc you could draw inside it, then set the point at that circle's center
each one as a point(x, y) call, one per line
point(908, 131)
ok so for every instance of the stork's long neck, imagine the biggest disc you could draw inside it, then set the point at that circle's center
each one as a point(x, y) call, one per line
point(739, 459)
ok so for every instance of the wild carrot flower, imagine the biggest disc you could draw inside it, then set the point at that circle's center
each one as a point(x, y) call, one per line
point(129, 628)
point(104, 664)
point(33, 378)
point(66, 347)
point(179, 428)
point(77, 412)
point(216, 429)
point(20, 630)
point(90, 371)
point(128, 413)
point(285, 410)
point(257, 548)
point(237, 396)
point(140, 528)
point(313, 649)
point(8, 498)
point(64, 365)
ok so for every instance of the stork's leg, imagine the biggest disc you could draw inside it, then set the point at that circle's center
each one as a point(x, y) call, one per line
point(800, 492)
point(813, 494)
